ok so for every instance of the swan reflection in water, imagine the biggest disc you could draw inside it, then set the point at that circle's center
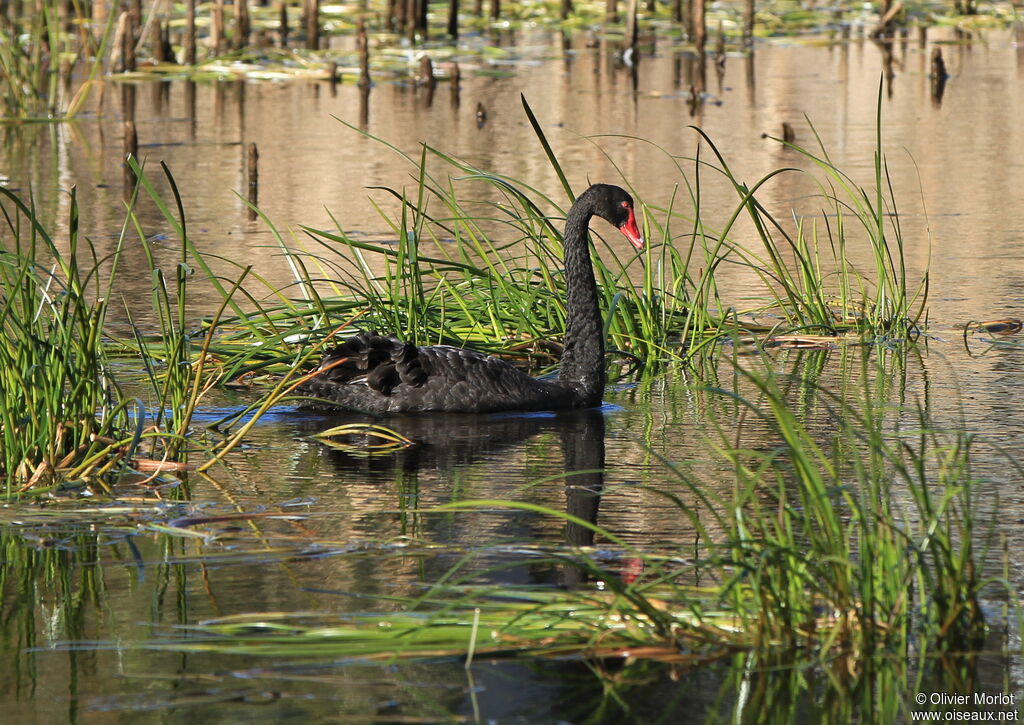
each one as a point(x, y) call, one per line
point(446, 443)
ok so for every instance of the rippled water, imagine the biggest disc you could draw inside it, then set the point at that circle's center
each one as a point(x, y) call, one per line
point(956, 168)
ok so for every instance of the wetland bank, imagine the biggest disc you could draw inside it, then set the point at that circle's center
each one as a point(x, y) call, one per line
point(803, 506)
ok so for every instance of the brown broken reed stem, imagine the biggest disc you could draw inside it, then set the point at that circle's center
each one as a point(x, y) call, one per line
point(700, 31)
point(313, 24)
point(938, 76)
point(129, 43)
point(242, 25)
point(282, 25)
point(495, 9)
point(120, 33)
point(364, 54)
point(427, 80)
point(565, 10)
point(720, 45)
point(748, 23)
point(190, 32)
point(135, 8)
point(364, 106)
point(632, 32)
point(332, 76)
point(217, 28)
point(611, 11)
point(166, 50)
point(456, 80)
point(427, 77)
point(253, 176)
point(453, 19)
point(130, 142)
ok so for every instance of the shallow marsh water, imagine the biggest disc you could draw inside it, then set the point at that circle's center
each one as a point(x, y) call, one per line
point(962, 157)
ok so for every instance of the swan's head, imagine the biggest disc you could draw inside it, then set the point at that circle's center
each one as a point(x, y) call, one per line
point(616, 206)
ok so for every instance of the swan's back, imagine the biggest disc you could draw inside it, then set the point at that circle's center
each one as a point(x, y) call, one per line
point(379, 374)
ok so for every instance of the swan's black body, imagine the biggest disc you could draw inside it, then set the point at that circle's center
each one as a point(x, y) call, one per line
point(378, 374)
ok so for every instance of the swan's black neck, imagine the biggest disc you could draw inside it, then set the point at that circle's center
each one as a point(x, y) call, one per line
point(583, 358)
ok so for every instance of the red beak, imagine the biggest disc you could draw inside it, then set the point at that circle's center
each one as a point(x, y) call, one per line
point(631, 232)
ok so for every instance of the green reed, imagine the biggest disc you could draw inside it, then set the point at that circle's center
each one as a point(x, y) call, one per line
point(39, 53)
point(64, 411)
point(478, 257)
point(61, 410)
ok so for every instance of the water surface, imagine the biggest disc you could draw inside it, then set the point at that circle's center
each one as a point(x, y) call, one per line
point(956, 168)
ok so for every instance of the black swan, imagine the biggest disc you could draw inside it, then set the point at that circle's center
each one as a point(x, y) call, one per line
point(380, 375)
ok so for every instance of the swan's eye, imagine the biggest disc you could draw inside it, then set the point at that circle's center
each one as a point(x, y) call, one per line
point(625, 205)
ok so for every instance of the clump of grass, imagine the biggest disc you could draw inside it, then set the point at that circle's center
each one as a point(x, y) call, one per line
point(853, 541)
point(61, 411)
point(64, 412)
point(483, 269)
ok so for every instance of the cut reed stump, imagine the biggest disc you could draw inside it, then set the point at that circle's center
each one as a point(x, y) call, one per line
point(131, 30)
point(938, 75)
point(130, 141)
point(453, 19)
point(495, 9)
point(565, 10)
point(189, 41)
point(410, 21)
point(217, 28)
point(611, 11)
point(632, 33)
point(312, 16)
point(456, 80)
point(163, 51)
point(700, 37)
point(364, 106)
point(332, 77)
point(282, 25)
point(720, 46)
point(242, 25)
point(748, 23)
point(427, 79)
point(120, 37)
point(364, 54)
point(253, 176)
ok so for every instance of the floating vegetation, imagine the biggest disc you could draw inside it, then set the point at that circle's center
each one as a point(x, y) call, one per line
point(364, 439)
point(994, 334)
point(1009, 326)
